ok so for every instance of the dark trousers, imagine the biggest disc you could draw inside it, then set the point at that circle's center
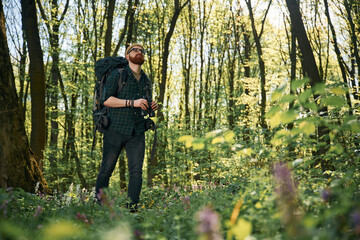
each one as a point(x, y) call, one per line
point(134, 145)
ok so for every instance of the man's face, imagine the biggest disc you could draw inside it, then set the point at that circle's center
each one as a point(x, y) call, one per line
point(136, 55)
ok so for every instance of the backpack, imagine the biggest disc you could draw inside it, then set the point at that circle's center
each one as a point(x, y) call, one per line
point(103, 68)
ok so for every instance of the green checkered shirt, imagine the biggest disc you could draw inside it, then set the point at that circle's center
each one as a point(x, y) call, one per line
point(126, 120)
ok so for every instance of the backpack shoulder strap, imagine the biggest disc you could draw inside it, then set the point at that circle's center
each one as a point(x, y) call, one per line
point(122, 79)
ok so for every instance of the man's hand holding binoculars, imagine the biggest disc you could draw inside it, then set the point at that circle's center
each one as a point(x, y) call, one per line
point(143, 104)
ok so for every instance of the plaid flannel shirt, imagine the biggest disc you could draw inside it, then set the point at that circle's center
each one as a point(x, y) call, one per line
point(126, 120)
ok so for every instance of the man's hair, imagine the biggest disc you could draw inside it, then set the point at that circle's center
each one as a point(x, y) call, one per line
point(131, 46)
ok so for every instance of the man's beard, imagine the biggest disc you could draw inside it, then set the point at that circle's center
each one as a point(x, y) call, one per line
point(138, 59)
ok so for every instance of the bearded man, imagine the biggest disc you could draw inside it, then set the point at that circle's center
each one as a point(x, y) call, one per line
point(126, 124)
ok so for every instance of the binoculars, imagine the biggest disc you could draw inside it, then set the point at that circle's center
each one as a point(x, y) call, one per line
point(147, 97)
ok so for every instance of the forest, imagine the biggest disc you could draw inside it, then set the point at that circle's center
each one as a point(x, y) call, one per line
point(257, 132)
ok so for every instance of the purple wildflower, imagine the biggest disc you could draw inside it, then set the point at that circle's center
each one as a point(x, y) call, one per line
point(286, 196)
point(38, 211)
point(101, 196)
point(138, 235)
point(186, 202)
point(284, 180)
point(208, 224)
point(326, 194)
point(83, 218)
point(355, 217)
point(3, 208)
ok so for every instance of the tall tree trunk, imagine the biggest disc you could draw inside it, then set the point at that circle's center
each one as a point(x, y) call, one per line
point(131, 24)
point(165, 54)
point(162, 85)
point(218, 82)
point(293, 64)
point(53, 28)
point(231, 89)
point(354, 45)
point(123, 32)
point(246, 66)
point(312, 71)
point(37, 78)
point(109, 27)
point(207, 91)
point(18, 167)
point(202, 26)
point(186, 67)
point(257, 37)
point(340, 59)
point(308, 57)
point(22, 77)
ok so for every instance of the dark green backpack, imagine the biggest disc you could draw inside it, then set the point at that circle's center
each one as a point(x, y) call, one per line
point(103, 68)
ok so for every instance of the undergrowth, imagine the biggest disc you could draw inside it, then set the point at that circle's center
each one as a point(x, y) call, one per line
point(265, 203)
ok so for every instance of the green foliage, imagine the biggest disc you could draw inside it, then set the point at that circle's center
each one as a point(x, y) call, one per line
point(328, 209)
point(225, 173)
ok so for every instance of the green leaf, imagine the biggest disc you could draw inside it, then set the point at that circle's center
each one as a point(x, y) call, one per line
point(338, 90)
point(61, 229)
point(273, 111)
point(299, 83)
point(288, 98)
point(275, 120)
point(242, 229)
point(354, 126)
point(185, 138)
point(307, 127)
point(198, 145)
point(288, 116)
point(246, 152)
point(213, 133)
point(304, 96)
point(319, 88)
point(336, 101)
point(276, 96)
point(229, 136)
point(219, 139)
point(278, 138)
point(311, 106)
point(277, 93)
point(337, 149)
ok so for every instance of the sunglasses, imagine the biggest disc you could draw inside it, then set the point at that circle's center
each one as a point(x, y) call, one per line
point(137, 50)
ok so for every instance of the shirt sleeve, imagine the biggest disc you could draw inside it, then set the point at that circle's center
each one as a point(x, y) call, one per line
point(111, 85)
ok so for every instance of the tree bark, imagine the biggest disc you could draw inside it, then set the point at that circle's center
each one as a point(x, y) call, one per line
point(131, 24)
point(109, 27)
point(165, 54)
point(308, 57)
point(37, 79)
point(354, 47)
point(261, 64)
point(231, 89)
point(18, 165)
point(123, 32)
point(340, 59)
point(22, 77)
point(53, 28)
point(202, 26)
point(217, 80)
point(186, 62)
point(162, 84)
point(312, 71)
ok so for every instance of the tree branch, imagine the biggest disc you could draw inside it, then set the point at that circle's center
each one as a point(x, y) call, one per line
point(43, 15)
point(65, 10)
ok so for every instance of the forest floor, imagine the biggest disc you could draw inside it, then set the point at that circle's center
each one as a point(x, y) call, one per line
point(276, 203)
